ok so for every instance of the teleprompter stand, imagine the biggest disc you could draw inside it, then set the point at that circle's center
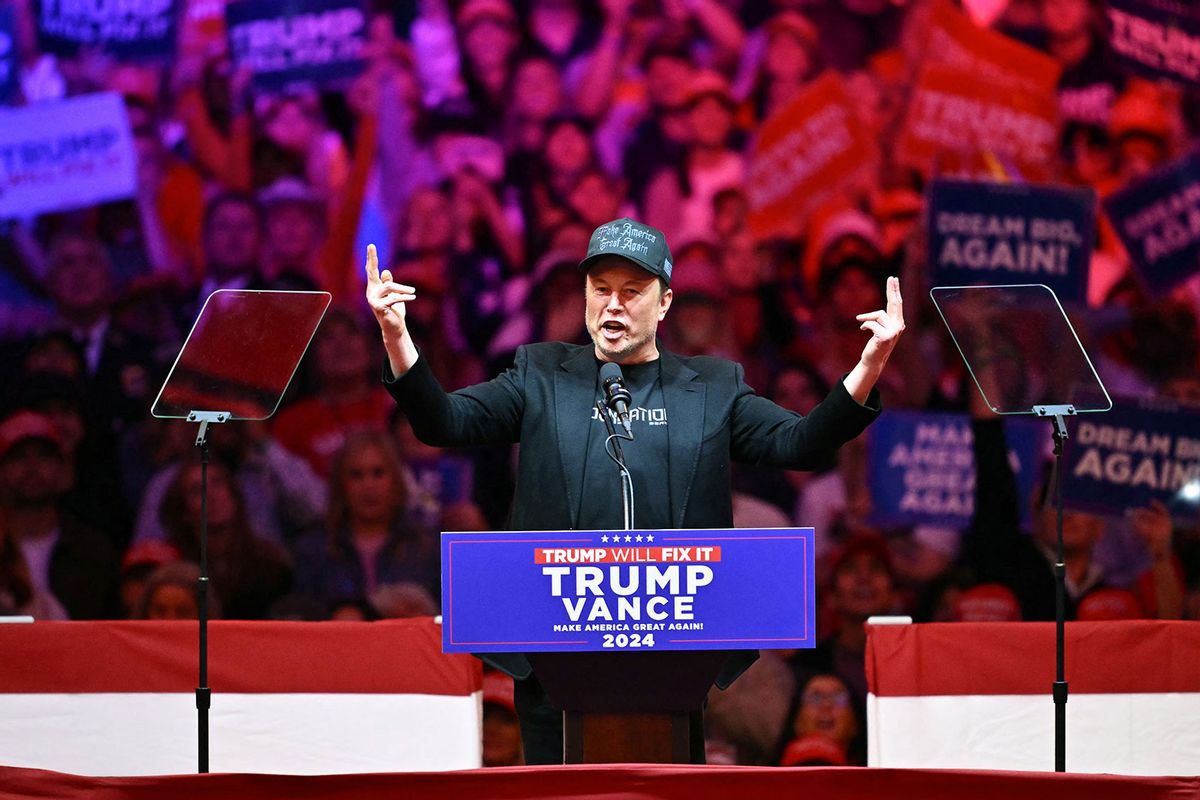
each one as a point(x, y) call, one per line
point(236, 364)
point(1025, 358)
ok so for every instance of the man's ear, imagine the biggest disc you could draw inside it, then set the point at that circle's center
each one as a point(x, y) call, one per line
point(664, 303)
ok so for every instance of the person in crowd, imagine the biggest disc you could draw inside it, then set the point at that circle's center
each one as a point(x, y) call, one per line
point(345, 399)
point(851, 31)
point(94, 492)
point(846, 283)
point(861, 585)
point(65, 557)
point(628, 276)
point(538, 97)
point(743, 721)
point(681, 201)
point(295, 231)
point(501, 731)
point(138, 563)
point(1142, 126)
point(289, 497)
point(488, 35)
point(119, 368)
point(247, 573)
point(233, 245)
point(18, 595)
point(823, 726)
point(170, 594)
point(357, 609)
point(373, 538)
point(778, 63)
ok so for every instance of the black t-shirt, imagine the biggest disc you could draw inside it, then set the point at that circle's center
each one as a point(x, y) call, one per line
point(646, 457)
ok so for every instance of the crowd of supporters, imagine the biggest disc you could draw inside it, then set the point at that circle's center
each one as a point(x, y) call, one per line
point(481, 145)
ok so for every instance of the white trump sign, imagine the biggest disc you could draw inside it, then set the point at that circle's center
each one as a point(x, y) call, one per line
point(67, 154)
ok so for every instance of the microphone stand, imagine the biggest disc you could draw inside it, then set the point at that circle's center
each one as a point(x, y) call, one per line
point(618, 457)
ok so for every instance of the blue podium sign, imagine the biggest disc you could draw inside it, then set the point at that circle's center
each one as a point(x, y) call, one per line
point(574, 591)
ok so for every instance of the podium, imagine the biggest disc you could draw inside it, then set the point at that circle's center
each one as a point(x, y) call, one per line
point(643, 707)
point(627, 631)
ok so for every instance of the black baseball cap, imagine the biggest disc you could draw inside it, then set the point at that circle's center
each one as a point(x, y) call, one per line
point(642, 244)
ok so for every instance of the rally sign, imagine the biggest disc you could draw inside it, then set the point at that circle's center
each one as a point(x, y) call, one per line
point(66, 154)
point(1000, 233)
point(807, 151)
point(954, 116)
point(1141, 450)
point(979, 93)
point(133, 29)
point(9, 61)
point(954, 40)
point(921, 466)
point(1156, 38)
point(297, 41)
point(572, 591)
point(1157, 217)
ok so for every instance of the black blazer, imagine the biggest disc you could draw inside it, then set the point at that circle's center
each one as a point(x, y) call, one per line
point(544, 401)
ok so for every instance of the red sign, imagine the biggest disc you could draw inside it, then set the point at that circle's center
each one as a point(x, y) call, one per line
point(805, 153)
point(980, 94)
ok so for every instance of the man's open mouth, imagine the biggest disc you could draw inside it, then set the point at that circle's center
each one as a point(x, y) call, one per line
point(613, 329)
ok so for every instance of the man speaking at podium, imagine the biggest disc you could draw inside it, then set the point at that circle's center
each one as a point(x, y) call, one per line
point(691, 417)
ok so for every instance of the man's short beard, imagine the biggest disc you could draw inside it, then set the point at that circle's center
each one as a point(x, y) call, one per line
point(630, 346)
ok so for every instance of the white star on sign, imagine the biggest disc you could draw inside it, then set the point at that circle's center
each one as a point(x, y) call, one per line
point(649, 538)
point(604, 538)
point(638, 537)
point(628, 538)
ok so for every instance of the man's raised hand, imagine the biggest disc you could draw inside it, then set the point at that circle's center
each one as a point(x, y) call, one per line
point(387, 299)
point(385, 296)
point(885, 327)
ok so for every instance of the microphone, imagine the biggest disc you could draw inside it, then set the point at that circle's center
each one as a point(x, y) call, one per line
point(616, 396)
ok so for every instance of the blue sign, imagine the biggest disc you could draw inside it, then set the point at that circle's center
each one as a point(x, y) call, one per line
point(921, 466)
point(997, 233)
point(297, 41)
point(1158, 219)
point(1156, 38)
point(130, 30)
point(9, 60)
point(67, 154)
point(1137, 452)
point(568, 591)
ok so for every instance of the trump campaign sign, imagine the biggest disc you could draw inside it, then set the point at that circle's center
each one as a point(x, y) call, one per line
point(921, 467)
point(979, 93)
point(65, 154)
point(1001, 233)
point(134, 29)
point(1157, 217)
point(1141, 450)
point(297, 41)
point(1156, 38)
point(574, 591)
point(803, 154)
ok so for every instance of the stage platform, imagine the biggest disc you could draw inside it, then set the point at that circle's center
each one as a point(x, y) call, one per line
point(619, 782)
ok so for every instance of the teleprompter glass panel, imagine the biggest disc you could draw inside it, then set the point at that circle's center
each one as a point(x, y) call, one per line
point(241, 354)
point(1020, 348)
